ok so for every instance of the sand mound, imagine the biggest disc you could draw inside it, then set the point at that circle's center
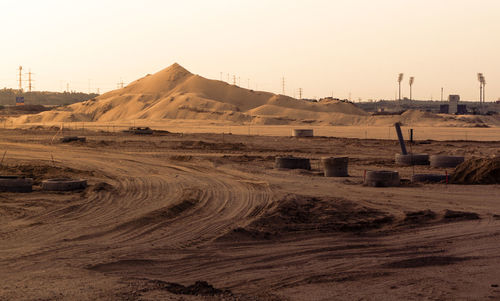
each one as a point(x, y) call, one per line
point(296, 214)
point(175, 93)
point(477, 171)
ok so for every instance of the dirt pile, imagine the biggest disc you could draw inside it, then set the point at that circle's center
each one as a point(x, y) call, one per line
point(302, 214)
point(175, 93)
point(38, 172)
point(477, 171)
point(199, 288)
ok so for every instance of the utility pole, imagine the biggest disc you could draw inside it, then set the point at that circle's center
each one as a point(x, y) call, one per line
point(20, 78)
point(29, 81)
point(300, 93)
point(283, 85)
point(441, 93)
point(484, 90)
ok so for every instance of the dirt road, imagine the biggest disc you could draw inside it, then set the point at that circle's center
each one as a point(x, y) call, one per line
point(206, 217)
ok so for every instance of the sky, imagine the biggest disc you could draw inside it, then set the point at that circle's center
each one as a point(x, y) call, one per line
point(343, 48)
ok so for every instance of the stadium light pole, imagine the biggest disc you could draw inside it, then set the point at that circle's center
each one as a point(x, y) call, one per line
point(400, 78)
point(412, 79)
point(482, 82)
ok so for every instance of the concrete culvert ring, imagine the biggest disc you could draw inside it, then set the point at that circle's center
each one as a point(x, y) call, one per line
point(382, 178)
point(15, 184)
point(63, 184)
point(446, 161)
point(303, 133)
point(292, 163)
point(412, 159)
point(335, 167)
point(428, 178)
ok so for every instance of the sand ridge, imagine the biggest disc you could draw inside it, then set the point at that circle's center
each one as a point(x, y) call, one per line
point(174, 93)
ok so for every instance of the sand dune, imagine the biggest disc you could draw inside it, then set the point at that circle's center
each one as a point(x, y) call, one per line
point(175, 93)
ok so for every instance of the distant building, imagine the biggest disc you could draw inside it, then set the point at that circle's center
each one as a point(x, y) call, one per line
point(453, 104)
point(453, 107)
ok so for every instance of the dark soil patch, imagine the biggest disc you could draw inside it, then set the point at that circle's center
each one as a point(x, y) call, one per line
point(419, 217)
point(102, 186)
point(425, 262)
point(42, 172)
point(208, 145)
point(246, 158)
point(160, 216)
point(451, 215)
point(302, 214)
point(181, 158)
point(199, 288)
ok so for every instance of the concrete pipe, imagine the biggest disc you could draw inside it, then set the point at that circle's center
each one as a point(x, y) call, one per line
point(292, 163)
point(382, 178)
point(412, 159)
point(428, 178)
point(303, 133)
point(63, 184)
point(446, 161)
point(335, 167)
point(15, 184)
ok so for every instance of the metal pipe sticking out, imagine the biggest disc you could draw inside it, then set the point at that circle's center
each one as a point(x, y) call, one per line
point(397, 125)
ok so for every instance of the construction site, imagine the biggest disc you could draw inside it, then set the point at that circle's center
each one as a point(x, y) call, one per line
point(177, 187)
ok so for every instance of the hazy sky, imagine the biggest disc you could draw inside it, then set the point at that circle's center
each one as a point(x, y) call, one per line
point(351, 47)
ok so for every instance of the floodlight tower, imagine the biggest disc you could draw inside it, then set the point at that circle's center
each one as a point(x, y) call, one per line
point(400, 78)
point(412, 79)
point(482, 82)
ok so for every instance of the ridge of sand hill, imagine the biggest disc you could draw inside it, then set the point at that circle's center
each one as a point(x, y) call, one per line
point(175, 93)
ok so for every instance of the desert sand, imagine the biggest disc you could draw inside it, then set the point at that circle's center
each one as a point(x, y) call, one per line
point(207, 217)
point(176, 94)
point(197, 211)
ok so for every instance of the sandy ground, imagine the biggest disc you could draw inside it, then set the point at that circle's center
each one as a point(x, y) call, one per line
point(200, 126)
point(207, 217)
